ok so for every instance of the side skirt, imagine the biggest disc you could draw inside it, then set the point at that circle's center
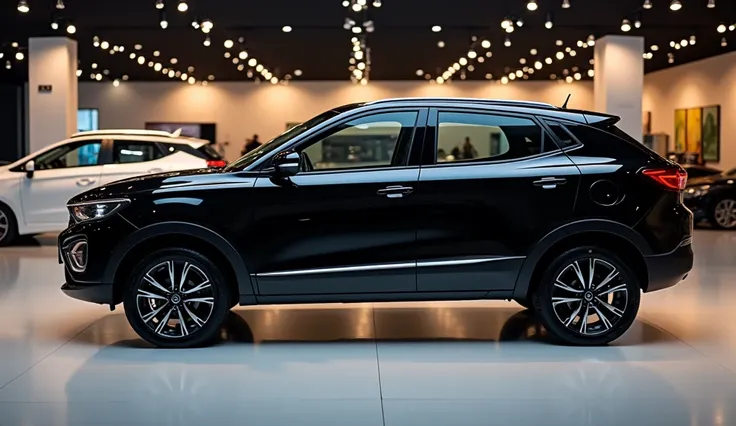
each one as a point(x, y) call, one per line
point(375, 297)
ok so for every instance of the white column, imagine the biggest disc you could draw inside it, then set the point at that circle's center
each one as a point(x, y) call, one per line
point(619, 80)
point(52, 90)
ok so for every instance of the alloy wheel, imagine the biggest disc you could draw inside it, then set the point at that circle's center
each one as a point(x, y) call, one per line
point(590, 296)
point(725, 213)
point(4, 225)
point(175, 299)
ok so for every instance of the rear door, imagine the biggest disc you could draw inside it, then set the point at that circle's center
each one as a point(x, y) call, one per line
point(131, 158)
point(492, 184)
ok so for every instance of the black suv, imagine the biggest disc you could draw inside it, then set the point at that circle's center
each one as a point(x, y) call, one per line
point(395, 200)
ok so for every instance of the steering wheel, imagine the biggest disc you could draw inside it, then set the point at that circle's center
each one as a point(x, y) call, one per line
point(304, 163)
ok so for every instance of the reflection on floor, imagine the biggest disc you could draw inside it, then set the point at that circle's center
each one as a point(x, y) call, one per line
point(64, 362)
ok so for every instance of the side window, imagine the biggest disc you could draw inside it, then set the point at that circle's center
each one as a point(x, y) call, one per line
point(134, 152)
point(477, 137)
point(78, 154)
point(565, 139)
point(371, 141)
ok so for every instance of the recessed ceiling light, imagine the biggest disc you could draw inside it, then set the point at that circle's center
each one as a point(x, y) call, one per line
point(174, 61)
point(532, 5)
point(721, 28)
point(183, 6)
point(440, 44)
point(243, 54)
point(137, 47)
point(156, 53)
point(436, 29)
point(229, 44)
point(485, 44)
point(286, 28)
point(20, 56)
point(675, 5)
point(71, 29)
point(654, 47)
point(297, 72)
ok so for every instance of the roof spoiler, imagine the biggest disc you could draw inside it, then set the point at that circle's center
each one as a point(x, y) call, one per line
point(176, 133)
point(600, 119)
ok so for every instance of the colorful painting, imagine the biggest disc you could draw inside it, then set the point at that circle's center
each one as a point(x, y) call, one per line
point(711, 133)
point(694, 130)
point(680, 130)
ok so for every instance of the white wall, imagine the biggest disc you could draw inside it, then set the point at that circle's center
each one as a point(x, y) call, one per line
point(708, 82)
point(241, 109)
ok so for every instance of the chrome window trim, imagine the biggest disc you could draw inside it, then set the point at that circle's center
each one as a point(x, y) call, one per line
point(431, 263)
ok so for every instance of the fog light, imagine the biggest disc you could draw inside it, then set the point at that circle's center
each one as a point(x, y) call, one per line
point(76, 255)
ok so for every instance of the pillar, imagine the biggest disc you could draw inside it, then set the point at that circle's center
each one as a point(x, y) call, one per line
point(619, 80)
point(52, 90)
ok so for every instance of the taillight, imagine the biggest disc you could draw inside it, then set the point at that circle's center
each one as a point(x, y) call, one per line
point(216, 163)
point(669, 178)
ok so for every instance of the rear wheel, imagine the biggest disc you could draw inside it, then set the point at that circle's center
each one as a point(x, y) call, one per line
point(176, 298)
point(587, 296)
point(8, 226)
point(723, 215)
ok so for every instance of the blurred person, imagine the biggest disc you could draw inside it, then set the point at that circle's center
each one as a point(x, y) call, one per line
point(250, 145)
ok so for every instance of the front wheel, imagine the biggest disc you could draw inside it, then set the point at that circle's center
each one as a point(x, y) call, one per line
point(176, 298)
point(8, 226)
point(587, 296)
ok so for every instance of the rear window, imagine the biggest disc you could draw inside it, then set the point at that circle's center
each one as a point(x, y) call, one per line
point(606, 134)
point(209, 152)
point(206, 151)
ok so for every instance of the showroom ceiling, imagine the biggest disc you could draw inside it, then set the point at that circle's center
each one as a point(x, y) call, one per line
point(400, 38)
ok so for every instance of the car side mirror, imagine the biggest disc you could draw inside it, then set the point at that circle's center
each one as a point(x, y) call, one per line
point(30, 167)
point(286, 163)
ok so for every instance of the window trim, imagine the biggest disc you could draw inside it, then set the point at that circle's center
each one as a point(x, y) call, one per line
point(545, 121)
point(75, 144)
point(434, 138)
point(420, 123)
point(156, 147)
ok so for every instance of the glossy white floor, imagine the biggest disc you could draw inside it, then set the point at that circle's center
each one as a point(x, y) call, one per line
point(65, 362)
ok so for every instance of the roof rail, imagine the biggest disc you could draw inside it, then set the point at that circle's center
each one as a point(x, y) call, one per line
point(133, 132)
point(471, 100)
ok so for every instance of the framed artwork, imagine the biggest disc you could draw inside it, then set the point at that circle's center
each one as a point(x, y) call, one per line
point(646, 122)
point(711, 133)
point(680, 130)
point(694, 139)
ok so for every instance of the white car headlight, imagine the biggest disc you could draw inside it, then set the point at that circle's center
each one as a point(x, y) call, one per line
point(697, 191)
point(95, 210)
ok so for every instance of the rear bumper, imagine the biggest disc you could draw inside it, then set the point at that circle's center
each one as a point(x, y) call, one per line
point(96, 293)
point(666, 270)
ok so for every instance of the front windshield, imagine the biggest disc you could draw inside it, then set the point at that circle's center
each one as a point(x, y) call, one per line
point(281, 139)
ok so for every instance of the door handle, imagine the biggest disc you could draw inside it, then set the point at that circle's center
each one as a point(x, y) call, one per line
point(395, 191)
point(85, 182)
point(550, 182)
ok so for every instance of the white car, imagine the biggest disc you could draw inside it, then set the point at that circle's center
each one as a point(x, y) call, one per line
point(35, 189)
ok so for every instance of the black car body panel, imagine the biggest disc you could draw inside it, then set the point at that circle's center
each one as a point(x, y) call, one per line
point(414, 229)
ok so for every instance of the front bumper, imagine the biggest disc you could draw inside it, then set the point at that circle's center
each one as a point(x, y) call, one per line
point(666, 270)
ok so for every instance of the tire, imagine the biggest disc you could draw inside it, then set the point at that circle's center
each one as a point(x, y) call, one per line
point(151, 302)
point(615, 296)
point(8, 226)
point(722, 214)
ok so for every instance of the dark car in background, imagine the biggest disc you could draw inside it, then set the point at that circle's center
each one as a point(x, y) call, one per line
point(414, 199)
point(713, 199)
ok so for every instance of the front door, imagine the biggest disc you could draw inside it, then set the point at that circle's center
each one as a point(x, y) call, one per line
point(59, 175)
point(345, 223)
point(497, 184)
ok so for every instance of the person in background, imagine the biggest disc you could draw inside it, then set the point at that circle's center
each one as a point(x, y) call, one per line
point(250, 145)
point(468, 150)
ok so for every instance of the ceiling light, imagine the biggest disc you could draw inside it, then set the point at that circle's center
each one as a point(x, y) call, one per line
point(183, 6)
point(116, 82)
point(357, 30)
point(677, 46)
point(104, 45)
point(297, 72)
point(8, 65)
point(548, 23)
point(207, 42)
point(20, 56)
point(506, 23)
point(569, 79)
point(711, 4)
point(565, 4)
point(54, 25)
point(578, 76)
point(227, 55)
point(183, 76)
point(732, 27)
point(724, 42)
point(532, 5)
point(229, 44)
point(560, 55)
point(171, 74)
point(159, 4)
point(519, 73)
point(519, 22)
point(132, 56)
point(286, 29)
point(23, 6)
point(376, 3)
point(191, 80)
point(157, 66)
point(507, 42)
point(675, 5)
point(357, 7)
point(504, 80)
point(440, 44)
point(243, 54)
point(98, 77)
point(510, 29)
point(591, 40)
point(637, 23)
point(463, 61)
point(253, 62)
point(533, 51)
point(207, 25)
point(548, 60)
point(94, 66)
point(436, 29)
point(538, 65)
point(174, 61)
point(684, 42)
point(485, 44)
point(647, 4)
point(79, 73)
point(60, 5)
point(591, 73)
point(419, 73)
point(137, 46)
point(654, 47)
point(625, 26)
point(512, 76)
point(692, 39)
point(472, 54)
point(163, 22)
point(721, 28)
point(71, 29)
point(195, 24)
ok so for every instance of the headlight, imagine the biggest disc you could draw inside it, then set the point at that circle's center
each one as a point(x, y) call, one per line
point(95, 210)
point(697, 191)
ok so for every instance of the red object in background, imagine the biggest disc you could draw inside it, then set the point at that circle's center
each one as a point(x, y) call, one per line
point(216, 163)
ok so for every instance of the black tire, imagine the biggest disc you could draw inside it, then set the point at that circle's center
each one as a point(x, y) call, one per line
point(712, 213)
point(10, 226)
point(564, 321)
point(201, 272)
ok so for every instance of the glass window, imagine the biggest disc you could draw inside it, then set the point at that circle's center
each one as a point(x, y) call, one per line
point(79, 154)
point(563, 136)
point(364, 142)
point(478, 137)
point(134, 152)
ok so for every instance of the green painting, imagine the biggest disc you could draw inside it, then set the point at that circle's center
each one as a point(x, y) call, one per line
point(680, 130)
point(711, 120)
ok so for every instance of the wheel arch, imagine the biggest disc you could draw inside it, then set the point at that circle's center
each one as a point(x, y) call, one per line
point(162, 235)
point(621, 239)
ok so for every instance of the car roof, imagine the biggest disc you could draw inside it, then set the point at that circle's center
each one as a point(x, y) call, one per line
point(134, 132)
point(482, 101)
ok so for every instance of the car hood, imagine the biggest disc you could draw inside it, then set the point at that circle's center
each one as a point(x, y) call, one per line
point(147, 183)
point(710, 180)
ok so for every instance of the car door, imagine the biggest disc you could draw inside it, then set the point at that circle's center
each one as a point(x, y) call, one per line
point(345, 223)
point(132, 158)
point(493, 184)
point(59, 174)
